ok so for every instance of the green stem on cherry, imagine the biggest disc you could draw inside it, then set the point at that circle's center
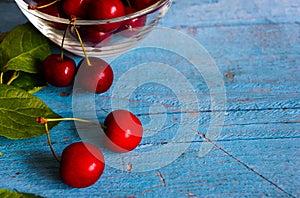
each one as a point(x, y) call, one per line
point(63, 40)
point(42, 120)
point(33, 7)
point(13, 77)
point(45, 121)
point(129, 4)
point(73, 19)
point(50, 143)
point(1, 77)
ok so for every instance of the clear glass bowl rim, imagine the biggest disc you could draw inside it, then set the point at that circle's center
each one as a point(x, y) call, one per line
point(150, 9)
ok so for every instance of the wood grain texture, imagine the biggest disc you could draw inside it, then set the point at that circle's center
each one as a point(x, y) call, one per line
point(256, 46)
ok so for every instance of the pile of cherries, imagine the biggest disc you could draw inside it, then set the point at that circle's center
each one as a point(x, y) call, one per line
point(82, 163)
point(97, 10)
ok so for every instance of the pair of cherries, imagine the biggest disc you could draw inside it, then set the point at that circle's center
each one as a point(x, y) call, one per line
point(82, 163)
point(93, 74)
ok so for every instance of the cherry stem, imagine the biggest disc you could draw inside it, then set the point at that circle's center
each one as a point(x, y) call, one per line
point(73, 19)
point(129, 27)
point(45, 121)
point(66, 119)
point(129, 4)
point(42, 120)
point(32, 7)
point(1, 77)
point(63, 41)
point(14, 77)
point(50, 143)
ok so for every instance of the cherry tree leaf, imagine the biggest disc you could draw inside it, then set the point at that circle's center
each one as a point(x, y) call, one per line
point(23, 49)
point(29, 82)
point(18, 112)
point(5, 193)
point(2, 36)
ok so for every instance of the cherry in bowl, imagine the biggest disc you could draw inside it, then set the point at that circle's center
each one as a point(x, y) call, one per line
point(132, 26)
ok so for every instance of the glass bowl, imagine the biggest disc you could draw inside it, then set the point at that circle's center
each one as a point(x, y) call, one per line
point(116, 43)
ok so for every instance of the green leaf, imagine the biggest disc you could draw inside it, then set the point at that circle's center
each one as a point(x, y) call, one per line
point(18, 112)
point(5, 193)
point(23, 49)
point(2, 36)
point(29, 82)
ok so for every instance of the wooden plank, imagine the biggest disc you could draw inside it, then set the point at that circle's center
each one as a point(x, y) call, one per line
point(212, 175)
point(230, 12)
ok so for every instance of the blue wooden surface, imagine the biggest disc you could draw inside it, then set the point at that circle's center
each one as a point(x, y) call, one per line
point(256, 47)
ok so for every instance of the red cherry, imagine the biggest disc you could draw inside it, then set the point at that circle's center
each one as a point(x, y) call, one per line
point(96, 78)
point(53, 10)
point(103, 9)
point(123, 130)
point(130, 27)
point(57, 71)
point(142, 4)
point(78, 8)
point(81, 164)
point(95, 37)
